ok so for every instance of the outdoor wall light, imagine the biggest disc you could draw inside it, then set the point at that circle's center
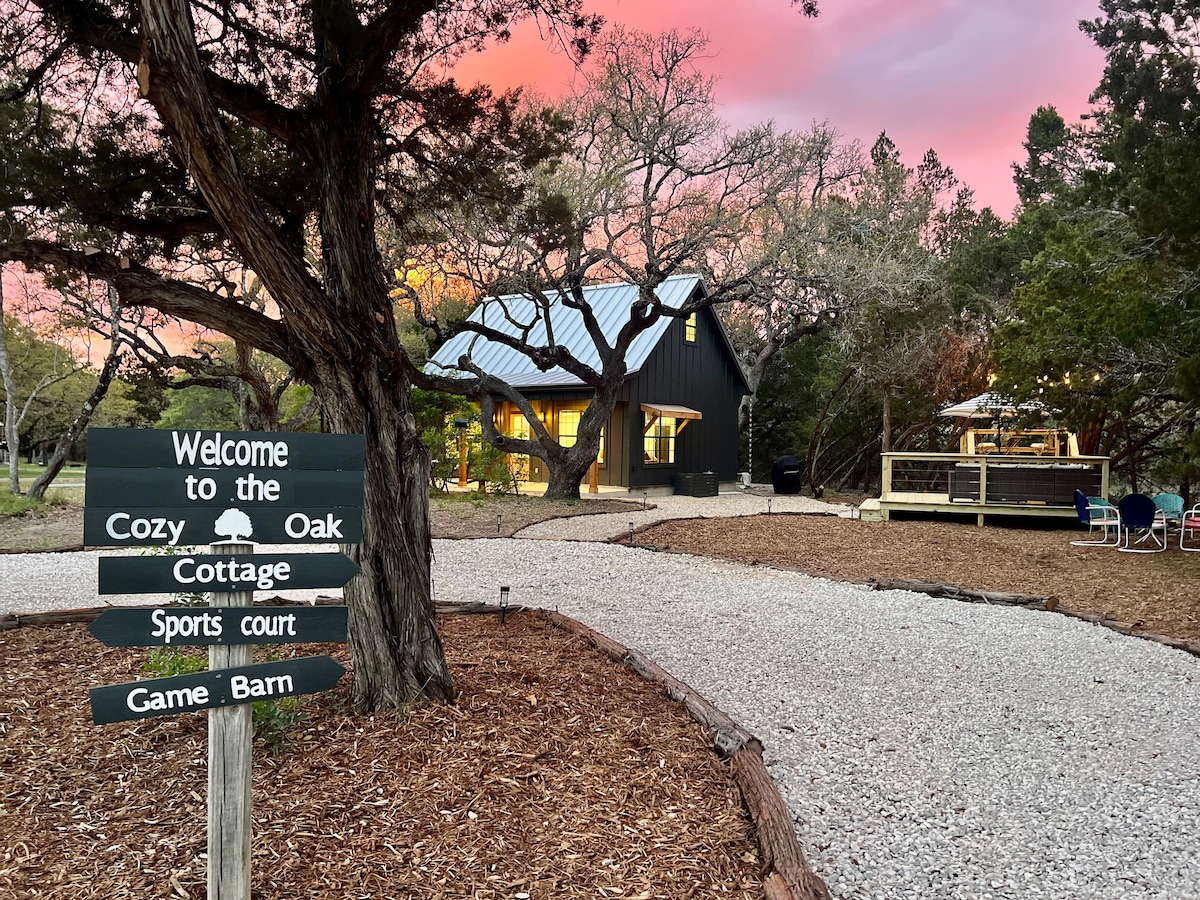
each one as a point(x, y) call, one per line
point(503, 602)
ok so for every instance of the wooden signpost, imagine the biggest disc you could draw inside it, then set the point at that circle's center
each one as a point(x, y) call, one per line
point(173, 488)
point(194, 572)
point(207, 690)
point(229, 625)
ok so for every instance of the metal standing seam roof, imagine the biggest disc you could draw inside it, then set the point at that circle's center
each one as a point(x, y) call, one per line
point(610, 303)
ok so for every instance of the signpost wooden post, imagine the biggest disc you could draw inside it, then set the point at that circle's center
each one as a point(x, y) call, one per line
point(173, 488)
point(230, 734)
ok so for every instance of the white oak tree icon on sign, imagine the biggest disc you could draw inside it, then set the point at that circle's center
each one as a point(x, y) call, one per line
point(233, 525)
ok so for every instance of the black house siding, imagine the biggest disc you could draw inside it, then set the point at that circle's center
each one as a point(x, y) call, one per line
point(700, 375)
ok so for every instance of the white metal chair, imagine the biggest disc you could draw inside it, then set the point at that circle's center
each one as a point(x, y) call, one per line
point(1189, 525)
point(1096, 512)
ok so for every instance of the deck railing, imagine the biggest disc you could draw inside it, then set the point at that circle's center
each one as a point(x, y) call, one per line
point(974, 480)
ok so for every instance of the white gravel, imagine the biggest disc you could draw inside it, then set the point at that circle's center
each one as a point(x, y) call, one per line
point(927, 748)
point(657, 509)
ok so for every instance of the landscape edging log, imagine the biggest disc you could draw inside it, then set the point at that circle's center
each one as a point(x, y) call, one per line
point(786, 873)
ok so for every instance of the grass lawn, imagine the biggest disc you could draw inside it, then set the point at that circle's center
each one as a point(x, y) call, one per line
point(67, 489)
point(70, 478)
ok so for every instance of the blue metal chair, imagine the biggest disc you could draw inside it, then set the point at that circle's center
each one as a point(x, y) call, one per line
point(1139, 514)
point(1096, 512)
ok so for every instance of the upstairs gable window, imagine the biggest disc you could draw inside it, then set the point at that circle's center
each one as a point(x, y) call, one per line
point(689, 329)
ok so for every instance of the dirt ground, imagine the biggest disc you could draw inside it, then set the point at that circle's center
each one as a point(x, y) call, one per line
point(557, 774)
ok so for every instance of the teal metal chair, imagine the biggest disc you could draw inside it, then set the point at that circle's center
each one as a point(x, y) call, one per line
point(1171, 506)
point(1096, 512)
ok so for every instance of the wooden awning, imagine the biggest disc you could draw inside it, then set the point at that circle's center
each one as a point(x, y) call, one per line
point(667, 411)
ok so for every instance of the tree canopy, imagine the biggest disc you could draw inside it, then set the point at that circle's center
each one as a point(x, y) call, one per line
point(145, 141)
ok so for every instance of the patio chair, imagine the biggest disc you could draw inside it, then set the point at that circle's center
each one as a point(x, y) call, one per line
point(1172, 507)
point(1140, 515)
point(1189, 525)
point(1096, 512)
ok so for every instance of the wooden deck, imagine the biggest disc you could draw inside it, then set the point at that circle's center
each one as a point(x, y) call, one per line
point(986, 484)
point(911, 501)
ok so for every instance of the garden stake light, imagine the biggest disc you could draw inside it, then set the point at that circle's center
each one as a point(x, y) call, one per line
point(631, 532)
point(645, 500)
point(503, 602)
point(768, 506)
point(498, 515)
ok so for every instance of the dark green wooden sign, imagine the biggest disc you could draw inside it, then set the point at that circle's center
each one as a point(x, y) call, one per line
point(223, 573)
point(150, 448)
point(131, 487)
point(203, 626)
point(182, 526)
point(206, 690)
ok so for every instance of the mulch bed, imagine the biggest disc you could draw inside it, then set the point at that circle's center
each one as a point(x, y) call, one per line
point(558, 774)
point(1157, 592)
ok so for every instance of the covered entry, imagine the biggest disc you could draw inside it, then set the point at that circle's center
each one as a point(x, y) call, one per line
point(664, 422)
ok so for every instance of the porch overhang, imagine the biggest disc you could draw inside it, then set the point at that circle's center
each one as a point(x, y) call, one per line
point(669, 411)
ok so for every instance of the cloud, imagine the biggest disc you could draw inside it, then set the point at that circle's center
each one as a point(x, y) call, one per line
point(961, 76)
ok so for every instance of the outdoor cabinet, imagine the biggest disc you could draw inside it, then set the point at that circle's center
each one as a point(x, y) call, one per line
point(1009, 483)
point(696, 484)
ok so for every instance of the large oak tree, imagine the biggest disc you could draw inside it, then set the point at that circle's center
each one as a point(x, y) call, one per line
point(652, 184)
point(145, 136)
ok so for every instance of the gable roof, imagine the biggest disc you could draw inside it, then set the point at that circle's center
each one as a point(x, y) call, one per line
point(610, 303)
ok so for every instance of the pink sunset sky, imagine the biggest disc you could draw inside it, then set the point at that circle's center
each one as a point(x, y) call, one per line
point(960, 76)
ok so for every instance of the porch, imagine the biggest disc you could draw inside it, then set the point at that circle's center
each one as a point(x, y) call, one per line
point(987, 484)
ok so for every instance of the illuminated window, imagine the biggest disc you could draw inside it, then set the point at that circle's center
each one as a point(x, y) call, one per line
point(518, 426)
point(568, 430)
point(689, 329)
point(568, 426)
point(659, 440)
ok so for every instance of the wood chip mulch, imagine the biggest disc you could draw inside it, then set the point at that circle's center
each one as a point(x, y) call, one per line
point(558, 774)
point(1156, 593)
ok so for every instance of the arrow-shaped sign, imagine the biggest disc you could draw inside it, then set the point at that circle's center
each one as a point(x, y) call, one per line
point(205, 690)
point(223, 573)
point(189, 627)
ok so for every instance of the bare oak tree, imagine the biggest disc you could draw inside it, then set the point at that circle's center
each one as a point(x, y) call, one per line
point(651, 184)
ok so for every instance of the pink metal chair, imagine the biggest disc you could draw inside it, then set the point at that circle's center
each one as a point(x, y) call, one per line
point(1189, 526)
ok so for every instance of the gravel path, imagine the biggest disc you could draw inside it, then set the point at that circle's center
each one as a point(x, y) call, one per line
point(927, 748)
point(658, 509)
